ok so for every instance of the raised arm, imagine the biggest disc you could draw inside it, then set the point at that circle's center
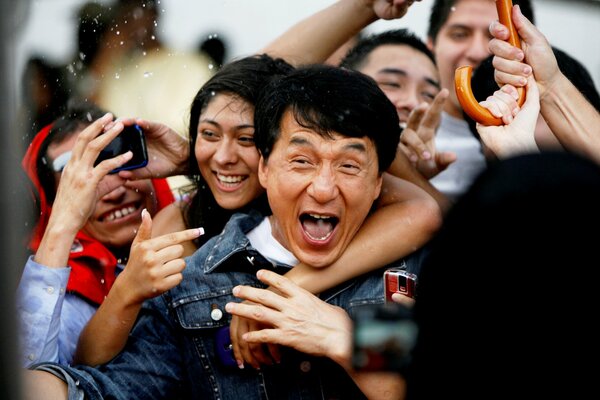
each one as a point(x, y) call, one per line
point(81, 185)
point(46, 273)
point(572, 119)
point(315, 38)
point(154, 266)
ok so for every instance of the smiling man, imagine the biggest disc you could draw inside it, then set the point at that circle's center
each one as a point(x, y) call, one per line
point(325, 136)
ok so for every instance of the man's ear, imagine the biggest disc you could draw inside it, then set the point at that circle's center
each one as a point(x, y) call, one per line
point(378, 187)
point(263, 171)
point(429, 43)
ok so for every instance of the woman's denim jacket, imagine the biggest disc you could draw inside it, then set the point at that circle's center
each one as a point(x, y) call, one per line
point(171, 352)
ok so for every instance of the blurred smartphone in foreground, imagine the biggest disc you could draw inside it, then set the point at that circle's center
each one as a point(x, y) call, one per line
point(384, 337)
point(132, 138)
point(396, 280)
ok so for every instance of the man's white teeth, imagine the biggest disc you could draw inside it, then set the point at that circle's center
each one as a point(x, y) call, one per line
point(318, 216)
point(230, 178)
point(321, 238)
point(120, 213)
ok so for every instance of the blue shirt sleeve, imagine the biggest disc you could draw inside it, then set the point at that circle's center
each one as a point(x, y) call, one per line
point(50, 320)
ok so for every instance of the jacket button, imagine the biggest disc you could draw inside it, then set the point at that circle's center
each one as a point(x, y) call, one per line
point(216, 314)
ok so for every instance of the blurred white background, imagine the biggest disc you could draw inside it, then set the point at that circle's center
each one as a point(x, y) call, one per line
point(48, 27)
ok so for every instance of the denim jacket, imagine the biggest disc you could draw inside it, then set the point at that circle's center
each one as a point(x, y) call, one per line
point(171, 352)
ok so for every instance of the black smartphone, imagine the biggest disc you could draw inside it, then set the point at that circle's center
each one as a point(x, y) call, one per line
point(131, 138)
point(383, 339)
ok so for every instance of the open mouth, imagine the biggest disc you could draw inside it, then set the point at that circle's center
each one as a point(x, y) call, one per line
point(318, 227)
point(119, 213)
point(230, 180)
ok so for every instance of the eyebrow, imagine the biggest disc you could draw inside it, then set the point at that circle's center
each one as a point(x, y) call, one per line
point(398, 71)
point(360, 147)
point(215, 123)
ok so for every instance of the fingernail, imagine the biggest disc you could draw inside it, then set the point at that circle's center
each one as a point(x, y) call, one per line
point(144, 213)
point(200, 231)
point(426, 155)
point(520, 56)
point(523, 81)
point(414, 158)
point(229, 307)
point(240, 364)
point(236, 290)
point(527, 69)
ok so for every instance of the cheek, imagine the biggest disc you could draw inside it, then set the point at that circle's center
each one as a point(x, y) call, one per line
point(251, 158)
point(203, 152)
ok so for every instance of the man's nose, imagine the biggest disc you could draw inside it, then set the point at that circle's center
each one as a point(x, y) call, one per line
point(408, 100)
point(116, 195)
point(323, 187)
point(478, 50)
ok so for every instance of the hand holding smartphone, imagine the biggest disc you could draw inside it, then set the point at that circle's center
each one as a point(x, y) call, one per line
point(397, 280)
point(131, 138)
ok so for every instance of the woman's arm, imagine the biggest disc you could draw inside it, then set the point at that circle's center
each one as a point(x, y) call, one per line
point(155, 266)
point(406, 218)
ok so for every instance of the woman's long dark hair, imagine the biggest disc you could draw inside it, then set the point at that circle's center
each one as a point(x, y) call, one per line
point(243, 78)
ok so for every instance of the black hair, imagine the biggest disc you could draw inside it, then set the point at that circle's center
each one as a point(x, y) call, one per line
point(46, 92)
point(329, 100)
point(215, 47)
point(484, 85)
point(441, 9)
point(78, 116)
point(520, 274)
point(244, 78)
point(357, 56)
point(94, 20)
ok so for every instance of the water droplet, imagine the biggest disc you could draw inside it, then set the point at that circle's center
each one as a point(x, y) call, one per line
point(81, 56)
point(118, 32)
point(147, 74)
point(117, 76)
point(210, 66)
point(213, 93)
point(153, 37)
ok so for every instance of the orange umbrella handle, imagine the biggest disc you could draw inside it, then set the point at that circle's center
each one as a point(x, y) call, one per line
point(462, 76)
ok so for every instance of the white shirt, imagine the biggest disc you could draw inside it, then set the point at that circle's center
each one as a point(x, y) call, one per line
point(261, 238)
point(454, 135)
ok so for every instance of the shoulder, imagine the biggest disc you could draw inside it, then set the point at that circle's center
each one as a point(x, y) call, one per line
point(169, 219)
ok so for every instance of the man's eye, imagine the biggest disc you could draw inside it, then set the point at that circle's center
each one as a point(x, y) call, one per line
point(350, 168)
point(428, 96)
point(394, 85)
point(459, 35)
point(300, 162)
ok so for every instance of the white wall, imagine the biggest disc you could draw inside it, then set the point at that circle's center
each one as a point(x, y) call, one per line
point(247, 25)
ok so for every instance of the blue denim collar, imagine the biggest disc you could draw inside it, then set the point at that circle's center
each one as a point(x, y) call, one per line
point(232, 239)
